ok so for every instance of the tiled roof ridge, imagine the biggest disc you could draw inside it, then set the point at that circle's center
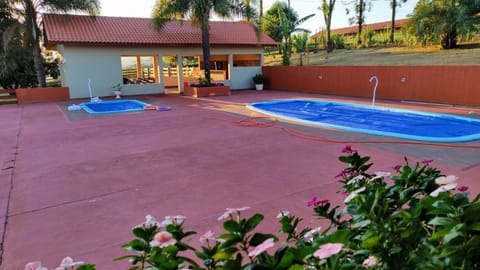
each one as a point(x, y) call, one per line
point(111, 30)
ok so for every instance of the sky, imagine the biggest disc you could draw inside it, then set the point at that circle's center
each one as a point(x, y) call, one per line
point(380, 11)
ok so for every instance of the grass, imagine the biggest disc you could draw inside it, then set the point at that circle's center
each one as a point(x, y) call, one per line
point(468, 54)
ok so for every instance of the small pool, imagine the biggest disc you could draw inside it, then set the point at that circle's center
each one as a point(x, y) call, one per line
point(113, 106)
point(407, 124)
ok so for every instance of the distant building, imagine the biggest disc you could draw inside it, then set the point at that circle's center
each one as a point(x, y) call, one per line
point(379, 27)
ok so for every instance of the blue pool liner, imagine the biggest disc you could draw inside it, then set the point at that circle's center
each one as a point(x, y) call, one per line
point(113, 106)
point(376, 120)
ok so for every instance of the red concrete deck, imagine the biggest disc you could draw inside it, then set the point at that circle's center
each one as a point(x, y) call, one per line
point(74, 184)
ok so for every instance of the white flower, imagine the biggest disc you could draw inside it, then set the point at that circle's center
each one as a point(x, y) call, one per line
point(379, 175)
point(309, 235)
point(283, 213)
point(207, 237)
point(229, 212)
point(68, 262)
point(150, 221)
point(177, 220)
point(355, 179)
point(444, 180)
point(354, 194)
point(443, 188)
point(262, 247)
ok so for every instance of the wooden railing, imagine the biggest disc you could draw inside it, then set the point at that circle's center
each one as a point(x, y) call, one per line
point(8, 96)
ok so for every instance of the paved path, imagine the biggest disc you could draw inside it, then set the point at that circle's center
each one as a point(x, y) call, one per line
point(73, 184)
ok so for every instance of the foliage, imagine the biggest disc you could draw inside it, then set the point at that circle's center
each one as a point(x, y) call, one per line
point(327, 10)
point(199, 12)
point(338, 41)
point(359, 7)
point(367, 37)
point(285, 22)
point(16, 61)
point(300, 42)
point(26, 12)
point(415, 219)
point(442, 21)
point(258, 78)
point(393, 5)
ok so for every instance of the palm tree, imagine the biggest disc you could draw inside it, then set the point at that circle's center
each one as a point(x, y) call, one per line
point(287, 27)
point(444, 21)
point(273, 18)
point(327, 10)
point(28, 14)
point(199, 12)
point(394, 4)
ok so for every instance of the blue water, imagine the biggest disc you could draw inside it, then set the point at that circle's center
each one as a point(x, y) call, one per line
point(407, 124)
point(113, 106)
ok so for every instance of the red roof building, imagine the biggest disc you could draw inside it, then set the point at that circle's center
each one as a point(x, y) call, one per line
point(106, 51)
point(379, 27)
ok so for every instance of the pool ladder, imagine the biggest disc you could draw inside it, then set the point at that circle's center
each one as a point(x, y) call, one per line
point(374, 89)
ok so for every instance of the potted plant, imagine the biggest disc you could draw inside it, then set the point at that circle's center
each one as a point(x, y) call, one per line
point(117, 90)
point(258, 79)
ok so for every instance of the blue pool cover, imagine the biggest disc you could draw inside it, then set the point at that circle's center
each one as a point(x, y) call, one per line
point(113, 106)
point(407, 124)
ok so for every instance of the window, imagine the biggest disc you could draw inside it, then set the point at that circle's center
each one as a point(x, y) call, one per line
point(139, 69)
point(246, 60)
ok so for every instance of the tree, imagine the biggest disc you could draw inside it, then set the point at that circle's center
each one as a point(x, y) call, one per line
point(444, 20)
point(199, 11)
point(327, 10)
point(28, 14)
point(272, 21)
point(394, 4)
point(300, 44)
point(360, 7)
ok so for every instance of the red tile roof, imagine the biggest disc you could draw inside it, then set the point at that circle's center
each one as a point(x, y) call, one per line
point(380, 26)
point(120, 31)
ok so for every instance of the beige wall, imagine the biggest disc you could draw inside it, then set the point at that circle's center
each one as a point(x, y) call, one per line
point(441, 84)
point(103, 67)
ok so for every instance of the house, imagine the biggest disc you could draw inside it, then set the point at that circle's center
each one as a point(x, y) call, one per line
point(380, 27)
point(107, 51)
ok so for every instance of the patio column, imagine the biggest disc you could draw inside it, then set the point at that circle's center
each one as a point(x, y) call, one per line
point(160, 71)
point(230, 65)
point(180, 72)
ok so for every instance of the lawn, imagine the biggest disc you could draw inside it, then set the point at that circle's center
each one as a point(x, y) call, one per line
point(433, 55)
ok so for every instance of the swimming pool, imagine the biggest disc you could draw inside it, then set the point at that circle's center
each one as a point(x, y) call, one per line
point(400, 123)
point(113, 106)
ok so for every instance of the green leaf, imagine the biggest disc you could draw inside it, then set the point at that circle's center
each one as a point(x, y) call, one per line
point(441, 221)
point(140, 233)
point(475, 226)
point(86, 267)
point(253, 222)
point(259, 238)
point(137, 245)
point(232, 226)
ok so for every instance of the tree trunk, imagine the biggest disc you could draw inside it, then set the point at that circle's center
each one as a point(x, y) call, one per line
point(206, 51)
point(449, 39)
point(33, 34)
point(360, 22)
point(392, 31)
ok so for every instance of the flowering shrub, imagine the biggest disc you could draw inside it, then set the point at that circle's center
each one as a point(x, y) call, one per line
point(415, 219)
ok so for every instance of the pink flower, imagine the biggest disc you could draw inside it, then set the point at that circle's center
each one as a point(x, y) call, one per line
point(397, 167)
point(162, 239)
point(309, 235)
point(344, 193)
point(327, 250)
point(312, 202)
point(341, 174)
point(462, 188)
point(348, 149)
point(426, 161)
point(208, 236)
point(325, 201)
point(370, 262)
point(262, 247)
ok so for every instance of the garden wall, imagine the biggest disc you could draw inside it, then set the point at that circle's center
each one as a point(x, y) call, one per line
point(439, 84)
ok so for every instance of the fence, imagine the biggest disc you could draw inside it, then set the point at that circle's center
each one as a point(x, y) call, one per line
point(440, 84)
point(8, 96)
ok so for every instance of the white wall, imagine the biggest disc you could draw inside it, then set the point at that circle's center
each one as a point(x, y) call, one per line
point(103, 67)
